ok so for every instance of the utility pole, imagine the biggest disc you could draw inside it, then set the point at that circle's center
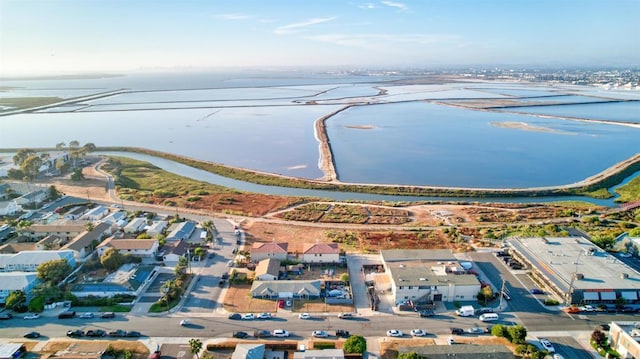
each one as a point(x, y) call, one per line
point(501, 294)
point(569, 295)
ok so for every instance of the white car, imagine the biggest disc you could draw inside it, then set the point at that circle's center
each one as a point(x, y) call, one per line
point(319, 334)
point(475, 330)
point(280, 333)
point(32, 316)
point(587, 308)
point(557, 356)
point(418, 332)
point(248, 316)
point(184, 322)
point(394, 333)
point(86, 316)
point(264, 316)
point(304, 316)
point(546, 344)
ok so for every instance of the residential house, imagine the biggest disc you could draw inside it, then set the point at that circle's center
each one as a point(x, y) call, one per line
point(28, 261)
point(84, 244)
point(268, 269)
point(181, 231)
point(248, 351)
point(320, 354)
point(12, 281)
point(173, 251)
point(5, 190)
point(75, 213)
point(63, 229)
point(14, 247)
point(32, 198)
point(51, 242)
point(321, 253)
point(9, 208)
point(467, 351)
point(306, 289)
point(136, 225)
point(421, 275)
point(143, 248)
point(260, 251)
point(115, 217)
point(96, 214)
point(156, 228)
point(6, 231)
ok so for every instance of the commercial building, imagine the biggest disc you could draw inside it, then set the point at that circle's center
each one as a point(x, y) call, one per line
point(423, 276)
point(577, 270)
point(624, 337)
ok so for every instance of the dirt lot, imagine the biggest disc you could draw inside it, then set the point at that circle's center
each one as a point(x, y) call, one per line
point(238, 299)
point(389, 347)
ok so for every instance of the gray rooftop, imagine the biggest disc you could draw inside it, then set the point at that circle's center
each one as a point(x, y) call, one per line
point(395, 255)
point(559, 258)
point(273, 287)
point(430, 273)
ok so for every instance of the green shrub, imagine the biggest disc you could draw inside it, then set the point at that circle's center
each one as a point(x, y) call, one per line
point(324, 345)
point(551, 302)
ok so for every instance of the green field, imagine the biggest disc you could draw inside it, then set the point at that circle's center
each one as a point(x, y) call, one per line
point(630, 191)
point(19, 103)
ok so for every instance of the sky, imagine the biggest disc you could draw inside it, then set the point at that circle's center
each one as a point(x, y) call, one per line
point(76, 36)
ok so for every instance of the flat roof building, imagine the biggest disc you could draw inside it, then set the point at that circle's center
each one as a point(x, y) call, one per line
point(576, 269)
point(624, 337)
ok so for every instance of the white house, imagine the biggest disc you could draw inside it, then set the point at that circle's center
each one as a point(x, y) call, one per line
point(157, 227)
point(12, 281)
point(321, 253)
point(114, 217)
point(63, 229)
point(136, 225)
point(96, 213)
point(34, 197)
point(9, 208)
point(137, 247)
point(268, 269)
point(260, 251)
point(174, 250)
point(75, 213)
point(28, 261)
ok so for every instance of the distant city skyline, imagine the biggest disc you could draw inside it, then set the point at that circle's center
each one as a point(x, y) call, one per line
point(78, 36)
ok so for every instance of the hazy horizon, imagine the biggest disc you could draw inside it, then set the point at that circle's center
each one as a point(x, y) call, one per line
point(40, 37)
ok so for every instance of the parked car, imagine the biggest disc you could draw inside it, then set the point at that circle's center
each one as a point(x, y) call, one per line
point(221, 283)
point(75, 333)
point(484, 310)
point(587, 308)
point(536, 291)
point(319, 334)
point(605, 327)
point(546, 344)
point(262, 334)
point(475, 330)
point(450, 341)
point(281, 303)
point(31, 335)
point(184, 322)
point(304, 316)
point(342, 333)
point(32, 316)
point(457, 331)
point(572, 310)
point(418, 332)
point(117, 333)
point(394, 333)
point(96, 333)
point(234, 316)
point(280, 333)
point(108, 315)
point(6, 316)
point(132, 334)
point(86, 316)
point(67, 315)
point(248, 316)
point(264, 316)
point(345, 315)
point(225, 276)
point(426, 313)
point(240, 335)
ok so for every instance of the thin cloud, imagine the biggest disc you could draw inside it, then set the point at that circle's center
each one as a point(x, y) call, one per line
point(232, 17)
point(299, 26)
point(367, 6)
point(397, 5)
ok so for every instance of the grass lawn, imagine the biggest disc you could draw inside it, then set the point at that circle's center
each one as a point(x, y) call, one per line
point(630, 191)
point(116, 308)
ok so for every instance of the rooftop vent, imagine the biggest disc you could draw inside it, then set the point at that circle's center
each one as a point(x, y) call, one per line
point(545, 241)
point(401, 266)
point(579, 276)
point(624, 275)
point(423, 279)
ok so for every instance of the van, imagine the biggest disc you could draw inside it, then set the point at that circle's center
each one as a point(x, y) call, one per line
point(489, 317)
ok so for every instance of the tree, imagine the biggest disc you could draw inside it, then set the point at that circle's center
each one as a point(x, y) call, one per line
point(181, 267)
point(15, 174)
point(518, 333)
point(36, 305)
point(112, 259)
point(89, 226)
point(199, 252)
point(355, 344)
point(22, 155)
point(53, 271)
point(634, 232)
point(77, 175)
point(53, 193)
point(195, 346)
point(89, 147)
point(15, 298)
point(60, 146)
point(598, 337)
point(344, 277)
point(31, 166)
point(499, 331)
point(408, 355)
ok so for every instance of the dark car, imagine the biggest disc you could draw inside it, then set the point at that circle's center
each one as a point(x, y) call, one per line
point(536, 291)
point(32, 335)
point(225, 276)
point(240, 335)
point(262, 334)
point(117, 333)
point(132, 334)
point(5, 316)
point(342, 333)
point(426, 313)
point(604, 327)
point(457, 331)
point(221, 283)
point(67, 315)
point(95, 333)
point(235, 316)
point(75, 333)
point(108, 315)
point(627, 309)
